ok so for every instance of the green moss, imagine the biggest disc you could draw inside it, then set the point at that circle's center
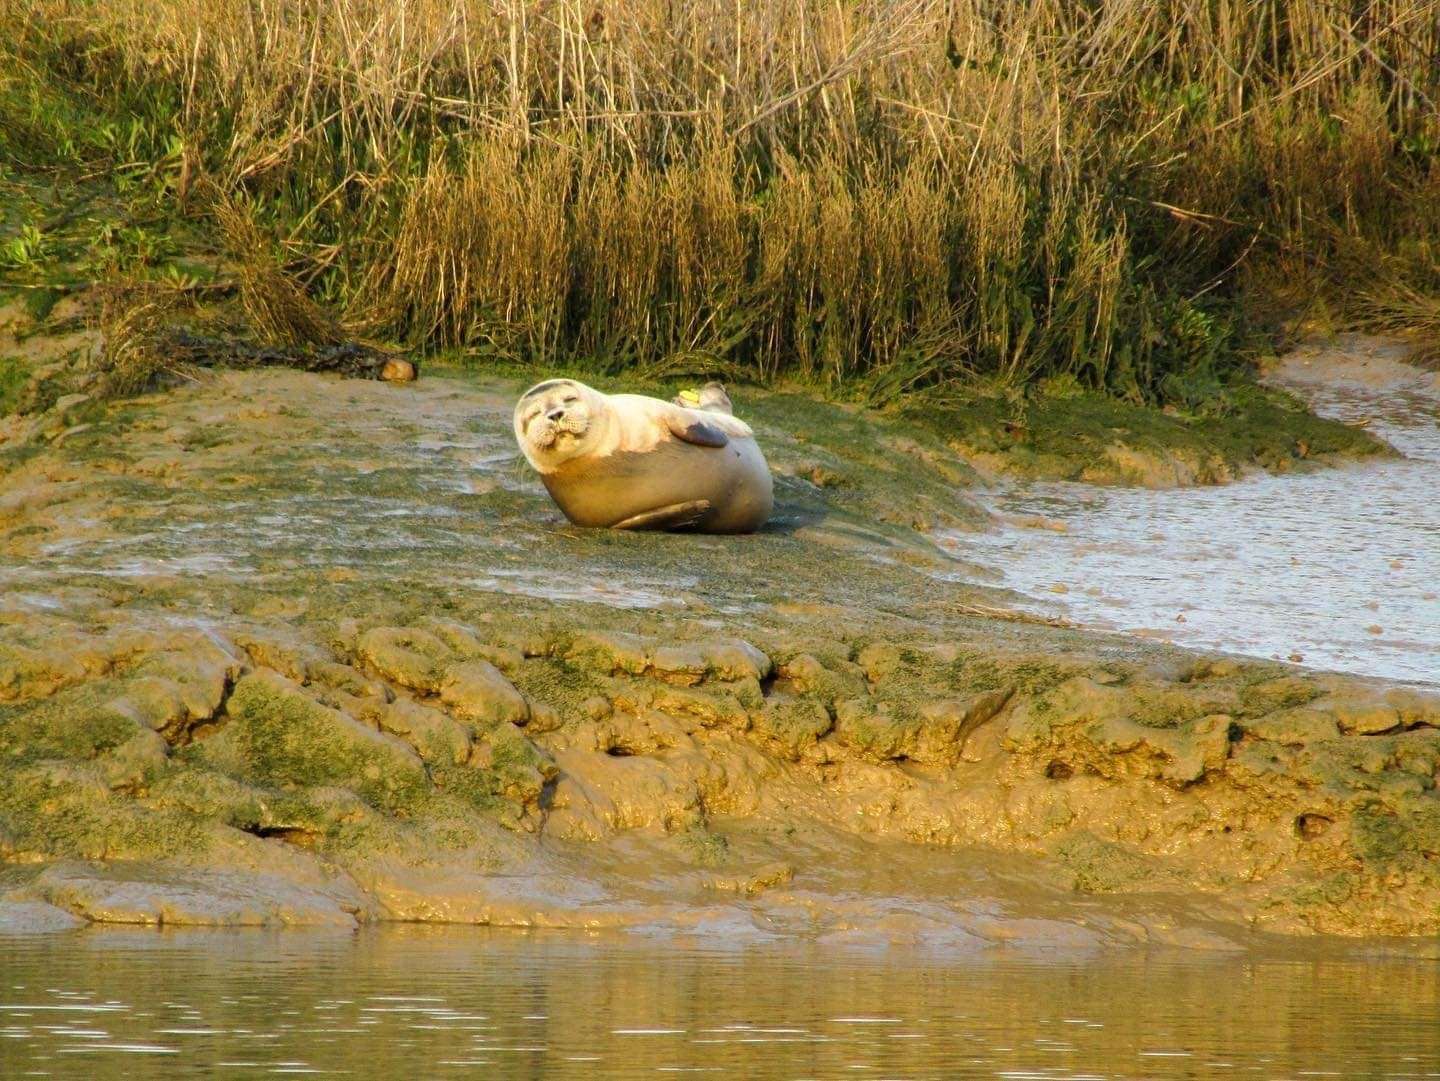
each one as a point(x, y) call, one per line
point(566, 687)
point(203, 793)
point(793, 723)
point(14, 373)
point(1262, 691)
point(974, 672)
point(478, 788)
point(66, 810)
point(1073, 437)
point(702, 847)
point(1099, 866)
point(878, 734)
point(280, 736)
point(1387, 835)
point(77, 723)
point(516, 762)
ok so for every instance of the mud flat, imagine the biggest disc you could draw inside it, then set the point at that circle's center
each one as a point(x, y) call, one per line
point(278, 648)
point(1336, 568)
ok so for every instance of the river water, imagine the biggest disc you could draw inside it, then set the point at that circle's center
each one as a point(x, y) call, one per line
point(420, 1003)
point(1336, 569)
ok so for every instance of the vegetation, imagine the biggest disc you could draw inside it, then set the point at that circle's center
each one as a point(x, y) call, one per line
point(871, 195)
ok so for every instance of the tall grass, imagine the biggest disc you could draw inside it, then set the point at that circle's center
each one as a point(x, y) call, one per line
point(875, 194)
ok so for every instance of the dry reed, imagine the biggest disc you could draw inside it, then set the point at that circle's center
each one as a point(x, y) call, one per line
point(880, 193)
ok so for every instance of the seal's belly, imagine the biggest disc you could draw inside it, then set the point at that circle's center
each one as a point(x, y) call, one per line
point(734, 479)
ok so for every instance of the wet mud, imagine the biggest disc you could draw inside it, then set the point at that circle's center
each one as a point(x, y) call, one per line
point(1335, 568)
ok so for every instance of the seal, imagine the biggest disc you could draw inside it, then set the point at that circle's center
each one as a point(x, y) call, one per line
point(627, 461)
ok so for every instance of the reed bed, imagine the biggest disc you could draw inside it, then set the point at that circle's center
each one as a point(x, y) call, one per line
point(872, 195)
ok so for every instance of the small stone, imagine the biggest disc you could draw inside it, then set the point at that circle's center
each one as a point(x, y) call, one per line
point(397, 371)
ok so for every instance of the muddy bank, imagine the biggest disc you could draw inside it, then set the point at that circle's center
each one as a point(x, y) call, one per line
point(281, 648)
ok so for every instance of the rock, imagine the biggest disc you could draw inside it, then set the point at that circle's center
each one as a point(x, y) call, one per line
point(476, 691)
point(1270, 695)
point(35, 917)
point(434, 735)
point(1078, 700)
point(1293, 726)
point(948, 722)
point(794, 724)
point(713, 708)
point(1182, 754)
point(341, 677)
point(1360, 715)
point(463, 643)
point(728, 659)
point(123, 892)
point(408, 656)
point(936, 735)
point(396, 370)
point(685, 664)
point(544, 718)
point(609, 652)
point(153, 702)
point(880, 661)
point(1415, 707)
point(734, 659)
point(136, 761)
point(520, 769)
point(830, 683)
point(38, 673)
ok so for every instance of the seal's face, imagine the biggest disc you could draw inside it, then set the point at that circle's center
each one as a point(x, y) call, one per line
point(553, 419)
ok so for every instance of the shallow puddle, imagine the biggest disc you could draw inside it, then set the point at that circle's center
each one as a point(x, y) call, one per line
point(451, 1002)
point(1336, 569)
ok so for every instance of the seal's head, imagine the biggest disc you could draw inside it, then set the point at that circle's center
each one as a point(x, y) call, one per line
point(557, 420)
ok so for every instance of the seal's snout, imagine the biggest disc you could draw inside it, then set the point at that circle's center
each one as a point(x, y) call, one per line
point(556, 415)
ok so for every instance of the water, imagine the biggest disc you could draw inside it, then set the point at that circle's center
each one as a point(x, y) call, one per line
point(447, 1002)
point(1337, 569)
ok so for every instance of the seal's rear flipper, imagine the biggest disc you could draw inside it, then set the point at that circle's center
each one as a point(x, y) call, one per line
point(675, 516)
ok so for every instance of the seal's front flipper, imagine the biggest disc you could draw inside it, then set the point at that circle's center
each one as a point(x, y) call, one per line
point(699, 432)
point(675, 516)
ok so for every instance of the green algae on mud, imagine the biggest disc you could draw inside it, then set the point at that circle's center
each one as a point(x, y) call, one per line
point(285, 630)
point(1102, 440)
